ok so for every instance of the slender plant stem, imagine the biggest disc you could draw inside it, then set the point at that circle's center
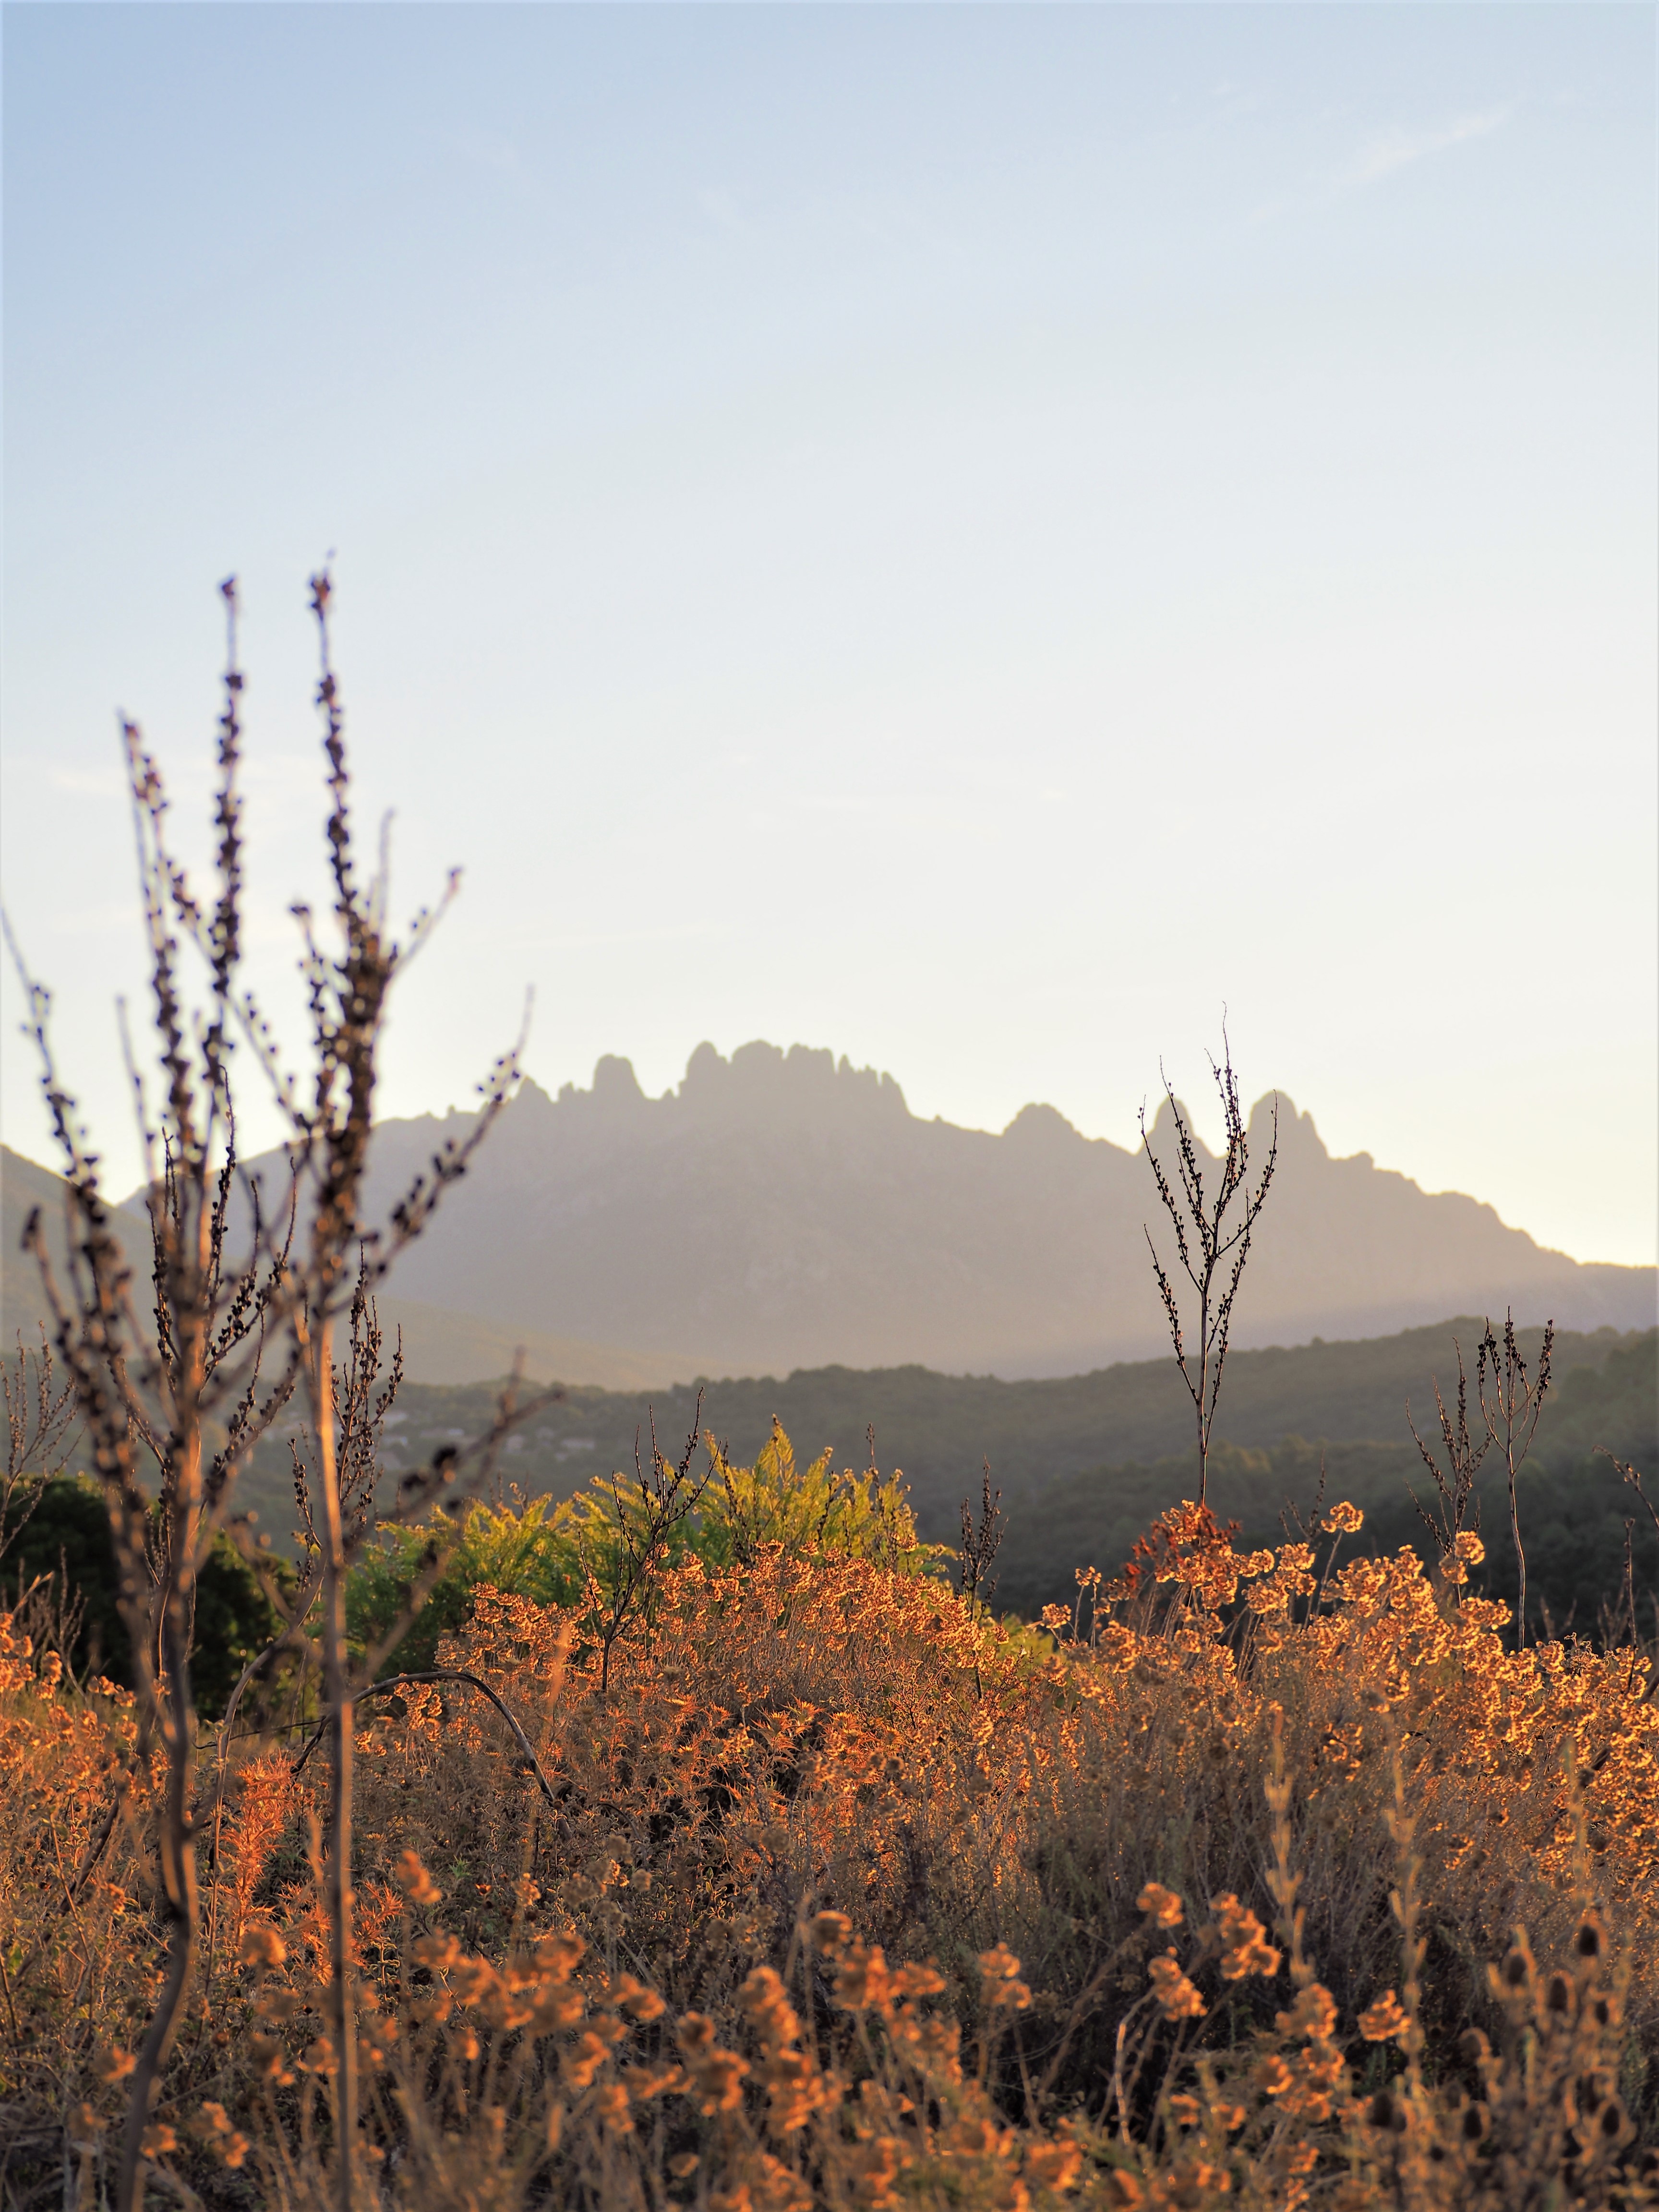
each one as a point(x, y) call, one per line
point(176, 1841)
point(341, 2015)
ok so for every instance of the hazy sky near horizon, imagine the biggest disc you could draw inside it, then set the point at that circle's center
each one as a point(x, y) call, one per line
point(975, 537)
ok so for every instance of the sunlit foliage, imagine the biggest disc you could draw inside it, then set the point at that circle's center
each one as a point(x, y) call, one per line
point(1256, 1878)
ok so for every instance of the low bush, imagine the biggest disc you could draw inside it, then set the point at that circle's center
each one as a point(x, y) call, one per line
point(1256, 1878)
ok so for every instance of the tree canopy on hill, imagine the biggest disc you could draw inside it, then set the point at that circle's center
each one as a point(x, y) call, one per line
point(939, 1428)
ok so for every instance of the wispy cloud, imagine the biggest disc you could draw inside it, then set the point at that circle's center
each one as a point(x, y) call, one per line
point(1397, 149)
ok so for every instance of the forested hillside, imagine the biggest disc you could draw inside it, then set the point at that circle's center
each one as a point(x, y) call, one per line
point(1085, 1462)
point(939, 1428)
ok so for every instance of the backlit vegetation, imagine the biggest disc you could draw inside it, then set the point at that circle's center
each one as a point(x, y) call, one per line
point(708, 1839)
point(1270, 1878)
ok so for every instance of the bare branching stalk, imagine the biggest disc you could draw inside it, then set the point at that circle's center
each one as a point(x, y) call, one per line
point(40, 1419)
point(1455, 1482)
point(1632, 1475)
point(641, 1520)
point(231, 1296)
point(1511, 1400)
point(980, 1541)
point(1405, 1901)
point(1211, 1248)
point(149, 1394)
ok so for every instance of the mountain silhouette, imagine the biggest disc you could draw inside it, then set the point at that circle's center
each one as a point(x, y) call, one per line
point(783, 1210)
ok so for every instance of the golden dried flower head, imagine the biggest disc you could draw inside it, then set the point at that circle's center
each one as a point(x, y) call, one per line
point(268, 2058)
point(1245, 1948)
point(416, 1883)
point(645, 2083)
point(830, 1932)
point(1469, 1547)
point(1177, 1998)
point(766, 2005)
point(583, 2061)
point(1054, 2165)
point(1312, 2014)
point(611, 2105)
point(634, 1998)
point(1162, 1905)
point(716, 2076)
point(227, 2143)
point(1383, 2020)
point(1000, 1974)
point(1343, 1519)
point(1274, 2076)
point(261, 1946)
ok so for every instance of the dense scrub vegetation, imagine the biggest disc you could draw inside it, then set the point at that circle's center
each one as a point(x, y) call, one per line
point(1253, 1875)
point(1573, 1501)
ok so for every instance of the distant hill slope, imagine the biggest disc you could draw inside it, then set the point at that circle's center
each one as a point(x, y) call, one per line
point(1085, 1464)
point(439, 1347)
point(780, 1211)
point(938, 1428)
point(24, 1185)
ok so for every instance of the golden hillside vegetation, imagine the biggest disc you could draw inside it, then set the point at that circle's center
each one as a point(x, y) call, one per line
point(1273, 1881)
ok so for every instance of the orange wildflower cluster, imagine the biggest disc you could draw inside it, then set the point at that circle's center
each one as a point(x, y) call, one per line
point(826, 1831)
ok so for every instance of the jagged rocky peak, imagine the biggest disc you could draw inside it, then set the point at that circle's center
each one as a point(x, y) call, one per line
point(616, 1089)
point(1162, 1134)
point(761, 1082)
point(1042, 1125)
point(1298, 1137)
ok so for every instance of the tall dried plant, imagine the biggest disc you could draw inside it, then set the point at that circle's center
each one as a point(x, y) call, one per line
point(41, 1419)
point(1212, 1248)
point(244, 1312)
point(1511, 1398)
point(1448, 1519)
point(630, 1537)
point(981, 1541)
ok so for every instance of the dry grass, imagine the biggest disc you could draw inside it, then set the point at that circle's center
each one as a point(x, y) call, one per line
point(840, 1895)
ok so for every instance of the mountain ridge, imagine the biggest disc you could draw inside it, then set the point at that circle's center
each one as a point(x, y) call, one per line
point(780, 1210)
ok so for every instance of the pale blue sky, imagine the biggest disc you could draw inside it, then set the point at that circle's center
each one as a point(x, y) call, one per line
point(969, 536)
